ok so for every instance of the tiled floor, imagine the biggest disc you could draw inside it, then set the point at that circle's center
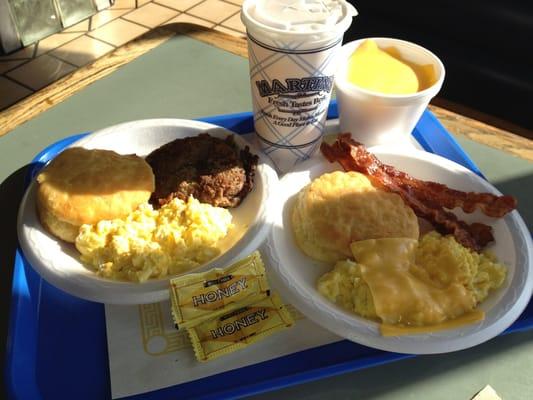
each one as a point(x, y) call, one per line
point(30, 69)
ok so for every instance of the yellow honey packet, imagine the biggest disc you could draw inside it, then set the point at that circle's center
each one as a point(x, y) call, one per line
point(239, 328)
point(197, 297)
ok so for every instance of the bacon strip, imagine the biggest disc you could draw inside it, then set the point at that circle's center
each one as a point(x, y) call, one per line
point(427, 199)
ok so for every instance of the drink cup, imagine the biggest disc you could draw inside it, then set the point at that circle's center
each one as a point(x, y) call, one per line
point(292, 51)
point(384, 119)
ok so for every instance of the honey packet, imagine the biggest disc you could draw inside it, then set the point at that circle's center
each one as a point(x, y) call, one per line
point(239, 328)
point(206, 295)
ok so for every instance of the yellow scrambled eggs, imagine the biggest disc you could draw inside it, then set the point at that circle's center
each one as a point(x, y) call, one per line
point(401, 281)
point(154, 243)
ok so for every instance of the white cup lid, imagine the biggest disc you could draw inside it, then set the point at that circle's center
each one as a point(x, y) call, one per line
point(323, 20)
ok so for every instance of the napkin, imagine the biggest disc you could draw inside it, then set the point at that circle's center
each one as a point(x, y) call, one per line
point(146, 352)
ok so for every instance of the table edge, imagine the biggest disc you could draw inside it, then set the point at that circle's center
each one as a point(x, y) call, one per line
point(72, 83)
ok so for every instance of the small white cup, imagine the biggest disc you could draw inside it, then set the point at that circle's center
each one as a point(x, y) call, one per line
point(375, 118)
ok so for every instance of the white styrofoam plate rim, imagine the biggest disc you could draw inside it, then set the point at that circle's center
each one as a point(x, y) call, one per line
point(300, 290)
point(45, 253)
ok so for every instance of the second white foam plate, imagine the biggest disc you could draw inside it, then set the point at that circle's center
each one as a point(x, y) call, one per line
point(296, 274)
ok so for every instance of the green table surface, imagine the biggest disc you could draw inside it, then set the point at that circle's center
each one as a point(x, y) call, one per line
point(184, 78)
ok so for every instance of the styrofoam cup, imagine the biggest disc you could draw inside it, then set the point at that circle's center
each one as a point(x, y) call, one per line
point(383, 119)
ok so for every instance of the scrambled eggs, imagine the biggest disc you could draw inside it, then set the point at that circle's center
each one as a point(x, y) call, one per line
point(412, 283)
point(345, 286)
point(154, 243)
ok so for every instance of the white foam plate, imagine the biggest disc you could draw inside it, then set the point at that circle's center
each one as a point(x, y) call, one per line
point(296, 274)
point(58, 262)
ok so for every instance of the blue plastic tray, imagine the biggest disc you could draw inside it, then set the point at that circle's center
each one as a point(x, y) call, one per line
point(57, 346)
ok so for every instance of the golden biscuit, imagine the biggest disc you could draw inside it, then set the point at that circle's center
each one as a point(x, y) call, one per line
point(83, 186)
point(339, 208)
point(62, 229)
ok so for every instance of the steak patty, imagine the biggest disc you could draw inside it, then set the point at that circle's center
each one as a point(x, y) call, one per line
point(210, 169)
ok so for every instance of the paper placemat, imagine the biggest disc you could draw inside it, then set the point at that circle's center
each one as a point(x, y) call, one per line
point(146, 352)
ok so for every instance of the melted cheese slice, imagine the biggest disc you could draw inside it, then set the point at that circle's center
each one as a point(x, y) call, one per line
point(400, 297)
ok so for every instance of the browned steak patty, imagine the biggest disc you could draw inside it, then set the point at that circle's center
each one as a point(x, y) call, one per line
point(210, 169)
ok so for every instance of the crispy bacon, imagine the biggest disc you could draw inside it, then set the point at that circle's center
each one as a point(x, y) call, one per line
point(427, 199)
